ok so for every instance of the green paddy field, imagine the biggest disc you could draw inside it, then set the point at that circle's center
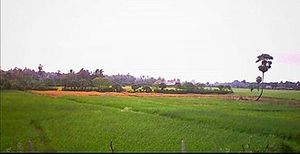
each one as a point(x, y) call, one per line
point(33, 122)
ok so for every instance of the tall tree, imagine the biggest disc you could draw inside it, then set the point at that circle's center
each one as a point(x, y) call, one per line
point(265, 65)
point(71, 79)
point(40, 72)
point(40, 67)
point(98, 73)
point(83, 74)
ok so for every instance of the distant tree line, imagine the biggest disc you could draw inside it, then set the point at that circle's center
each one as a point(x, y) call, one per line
point(85, 80)
point(29, 79)
point(287, 85)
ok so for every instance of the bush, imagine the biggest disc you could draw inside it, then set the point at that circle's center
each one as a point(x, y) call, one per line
point(162, 86)
point(117, 88)
point(192, 91)
point(135, 87)
point(108, 89)
point(147, 89)
point(78, 89)
point(45, 88)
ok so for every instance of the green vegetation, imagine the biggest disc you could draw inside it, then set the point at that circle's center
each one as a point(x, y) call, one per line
point(281, 94)
point(84, 80)
point(146, 124)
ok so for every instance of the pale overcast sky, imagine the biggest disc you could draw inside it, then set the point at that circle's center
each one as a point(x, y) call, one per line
point(201, 40)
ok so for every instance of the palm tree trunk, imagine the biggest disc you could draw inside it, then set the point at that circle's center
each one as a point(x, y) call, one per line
point(262, 88)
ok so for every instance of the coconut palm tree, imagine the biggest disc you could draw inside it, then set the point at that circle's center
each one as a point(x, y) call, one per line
point(40, 67)
point(264, 67)
point(98, 73)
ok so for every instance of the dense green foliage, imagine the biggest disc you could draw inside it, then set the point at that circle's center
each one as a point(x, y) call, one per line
point(145, 124)
point(84, 80)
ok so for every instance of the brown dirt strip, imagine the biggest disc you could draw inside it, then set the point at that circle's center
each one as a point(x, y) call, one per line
point(95, 93)
point(228, 96)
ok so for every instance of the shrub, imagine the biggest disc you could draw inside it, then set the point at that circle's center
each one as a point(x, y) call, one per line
point(117, 88)
point(162, 86)
point(45, 88)
point(147, 89)
point(192, 91)
point(135, 87)
point(108, 89)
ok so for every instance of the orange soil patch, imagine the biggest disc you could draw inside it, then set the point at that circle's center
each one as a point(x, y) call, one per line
point(228, 96)
point(95, 93)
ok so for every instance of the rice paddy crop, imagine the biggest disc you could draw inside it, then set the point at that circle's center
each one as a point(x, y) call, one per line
point(146, 124)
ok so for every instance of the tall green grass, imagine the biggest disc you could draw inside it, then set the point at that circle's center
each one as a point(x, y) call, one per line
point(145, 124)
